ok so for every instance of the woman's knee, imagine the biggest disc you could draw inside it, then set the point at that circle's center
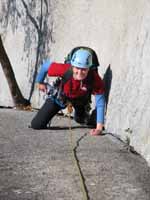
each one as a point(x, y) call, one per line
point(37, 125)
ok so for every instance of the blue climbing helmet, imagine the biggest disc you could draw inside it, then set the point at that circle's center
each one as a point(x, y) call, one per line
point(81, 59)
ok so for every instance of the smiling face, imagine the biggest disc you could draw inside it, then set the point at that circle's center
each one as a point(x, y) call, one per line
point(80, 73)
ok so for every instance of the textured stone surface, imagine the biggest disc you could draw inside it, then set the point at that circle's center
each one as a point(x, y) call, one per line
point(120, 35)
point(38, 164)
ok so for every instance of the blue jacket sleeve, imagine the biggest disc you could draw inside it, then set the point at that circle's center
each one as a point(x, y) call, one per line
point(43, 71)
point(100, 107)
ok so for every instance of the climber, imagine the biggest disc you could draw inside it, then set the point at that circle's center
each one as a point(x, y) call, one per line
point(77, 81)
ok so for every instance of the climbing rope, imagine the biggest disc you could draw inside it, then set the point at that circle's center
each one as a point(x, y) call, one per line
point(73, 146)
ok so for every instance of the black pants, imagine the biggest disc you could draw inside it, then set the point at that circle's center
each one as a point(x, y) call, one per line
point(50, 109)
point(45, 114)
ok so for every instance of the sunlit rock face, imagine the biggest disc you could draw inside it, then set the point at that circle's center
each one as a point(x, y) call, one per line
point(119, 33)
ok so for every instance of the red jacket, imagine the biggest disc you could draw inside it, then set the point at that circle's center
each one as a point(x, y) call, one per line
point(75, 88)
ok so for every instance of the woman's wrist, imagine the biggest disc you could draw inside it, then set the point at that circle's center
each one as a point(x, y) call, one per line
point(99, 126)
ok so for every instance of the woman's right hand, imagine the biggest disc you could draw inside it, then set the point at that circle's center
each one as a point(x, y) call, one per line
point(42, 87)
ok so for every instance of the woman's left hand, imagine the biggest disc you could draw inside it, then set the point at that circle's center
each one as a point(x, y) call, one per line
point(98, 130)
point(95, 132)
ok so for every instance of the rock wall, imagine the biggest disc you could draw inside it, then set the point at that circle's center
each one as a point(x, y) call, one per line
point(120, 34)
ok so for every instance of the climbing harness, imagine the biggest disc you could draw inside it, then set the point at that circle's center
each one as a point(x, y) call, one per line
point(75, 160)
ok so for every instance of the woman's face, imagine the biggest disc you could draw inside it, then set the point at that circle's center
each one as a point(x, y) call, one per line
point(80, 73)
